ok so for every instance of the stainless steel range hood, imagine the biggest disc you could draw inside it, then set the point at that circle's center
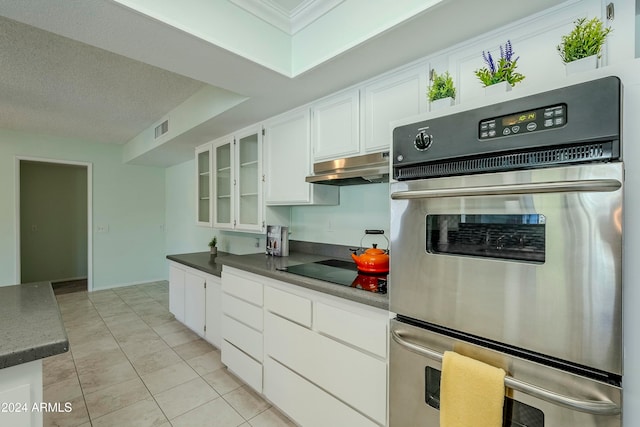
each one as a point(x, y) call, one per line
point(366, 169)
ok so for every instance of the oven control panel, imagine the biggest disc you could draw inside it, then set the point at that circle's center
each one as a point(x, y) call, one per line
point(523, 122)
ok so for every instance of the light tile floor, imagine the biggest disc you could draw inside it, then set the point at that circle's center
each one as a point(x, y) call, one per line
point(132, 364)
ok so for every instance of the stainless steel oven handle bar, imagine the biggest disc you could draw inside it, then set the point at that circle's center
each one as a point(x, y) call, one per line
point(602, 407)
point(592, 185)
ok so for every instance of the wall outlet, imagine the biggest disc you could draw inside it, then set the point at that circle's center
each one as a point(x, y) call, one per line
point(102, 229)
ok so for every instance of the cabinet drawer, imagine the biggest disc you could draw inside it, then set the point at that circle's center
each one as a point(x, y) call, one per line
point(356, 378)
point(242, 311)
point(304, 402)
point(242, 365)
point(242, 287)
point(366, 332)
point(289, 306)
point(243, 337)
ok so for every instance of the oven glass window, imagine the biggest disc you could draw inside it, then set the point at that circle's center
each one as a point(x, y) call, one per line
point(509, 237)
point(515, 414)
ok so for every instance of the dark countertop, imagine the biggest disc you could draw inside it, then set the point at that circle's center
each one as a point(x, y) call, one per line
point(202, 261)
point(269, 266)
point(31, 327)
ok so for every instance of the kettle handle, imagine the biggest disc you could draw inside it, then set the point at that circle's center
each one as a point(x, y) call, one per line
point(373, 231)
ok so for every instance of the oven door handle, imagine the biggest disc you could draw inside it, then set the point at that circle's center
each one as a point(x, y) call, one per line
point(591, 185)
point(595, 407)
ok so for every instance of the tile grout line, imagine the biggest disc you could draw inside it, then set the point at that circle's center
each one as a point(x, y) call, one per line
point(220, 396)
point(73, 358)
point(91, 419)
point(126, 299)
point(131, 361)
point(138, 372)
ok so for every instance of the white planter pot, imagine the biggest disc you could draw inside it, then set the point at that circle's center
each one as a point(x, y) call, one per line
point(497, 88)
point(580, 65)
point(442, 103)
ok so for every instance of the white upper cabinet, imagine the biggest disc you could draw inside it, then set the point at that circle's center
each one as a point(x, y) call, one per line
point(357, 121)
point(394, 97)
point(287, 161)
point(203, 185)
point(249, 206)
point(335, 129)
point(223, 181)
point(237, 178)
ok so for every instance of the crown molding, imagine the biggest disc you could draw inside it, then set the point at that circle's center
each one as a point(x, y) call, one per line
point(309, 11)
point(292, 21)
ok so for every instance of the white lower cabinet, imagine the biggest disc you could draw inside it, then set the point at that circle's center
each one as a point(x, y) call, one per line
point(195, 285)
point(321, 359)
point(213, 311)
point(195, 300)
point(242, 325)
point(318, 368)
point(176, 291)
point(243, 365)
point(20, 390)
point(304, 402)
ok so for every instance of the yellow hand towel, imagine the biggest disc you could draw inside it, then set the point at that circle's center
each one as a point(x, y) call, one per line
point(471, 392)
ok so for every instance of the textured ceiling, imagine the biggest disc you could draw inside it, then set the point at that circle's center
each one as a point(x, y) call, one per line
point(54, 85)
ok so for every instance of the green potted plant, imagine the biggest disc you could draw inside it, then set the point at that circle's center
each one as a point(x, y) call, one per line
point(502, 73)
point(442, 91)
point(581, 48)
point(212, 245)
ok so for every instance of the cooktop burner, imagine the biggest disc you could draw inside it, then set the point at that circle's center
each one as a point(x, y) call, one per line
point(342, 273)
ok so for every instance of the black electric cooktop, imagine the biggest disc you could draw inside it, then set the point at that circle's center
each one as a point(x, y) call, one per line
point(342, 273)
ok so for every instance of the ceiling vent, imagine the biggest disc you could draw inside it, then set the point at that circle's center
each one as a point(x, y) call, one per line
point(162, 128)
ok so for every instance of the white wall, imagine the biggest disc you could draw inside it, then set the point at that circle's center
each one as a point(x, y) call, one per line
point(361, 207)
point(637, 29)
point(128, 199)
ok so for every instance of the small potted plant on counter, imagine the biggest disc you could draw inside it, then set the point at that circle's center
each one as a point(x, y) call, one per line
point(581, 48)
point(213, 247)
point(442, 91)
point(500, 76)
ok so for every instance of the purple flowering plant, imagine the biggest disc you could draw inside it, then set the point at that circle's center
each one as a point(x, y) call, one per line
point(502, 71)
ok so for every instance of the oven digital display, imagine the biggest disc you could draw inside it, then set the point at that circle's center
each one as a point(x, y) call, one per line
point(517, 119)
point(554, 116)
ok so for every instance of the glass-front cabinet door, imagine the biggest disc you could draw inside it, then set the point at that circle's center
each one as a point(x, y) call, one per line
point(249, 179)
point(203, 184)
point(223, 213)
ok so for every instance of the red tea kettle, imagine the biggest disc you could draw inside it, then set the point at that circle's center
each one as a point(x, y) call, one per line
point(372, 260)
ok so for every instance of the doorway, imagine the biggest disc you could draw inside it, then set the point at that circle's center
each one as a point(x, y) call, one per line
point(53, 203)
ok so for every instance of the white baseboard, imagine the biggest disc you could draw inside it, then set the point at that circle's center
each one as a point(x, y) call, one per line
point(68, 279)
point(124, 285)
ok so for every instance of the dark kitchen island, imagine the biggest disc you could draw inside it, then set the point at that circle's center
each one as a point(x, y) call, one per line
point(31, 329)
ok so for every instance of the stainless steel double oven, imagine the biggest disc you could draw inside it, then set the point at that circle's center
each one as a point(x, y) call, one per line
point(506, 232)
